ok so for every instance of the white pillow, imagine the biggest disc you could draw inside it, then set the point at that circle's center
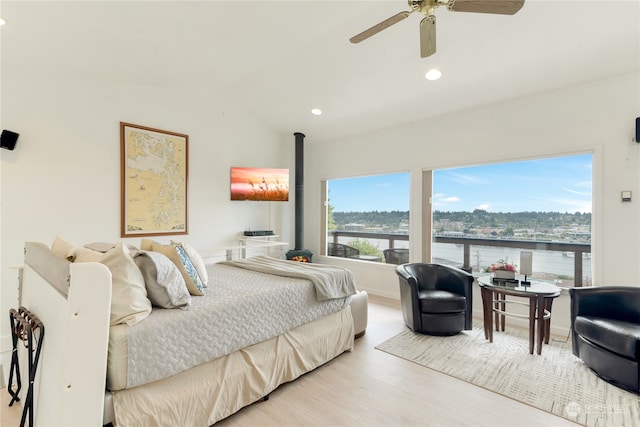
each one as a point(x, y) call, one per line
point(129, 302)
point(165, 285)
point(61, 248)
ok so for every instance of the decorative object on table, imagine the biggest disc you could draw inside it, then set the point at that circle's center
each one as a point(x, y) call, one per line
point(526, 266)
point(503, 270)
point(154, 170)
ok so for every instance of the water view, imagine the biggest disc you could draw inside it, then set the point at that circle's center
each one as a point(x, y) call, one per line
point(542, 200)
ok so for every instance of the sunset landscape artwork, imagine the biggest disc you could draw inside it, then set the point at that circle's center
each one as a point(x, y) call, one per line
point(260, 184)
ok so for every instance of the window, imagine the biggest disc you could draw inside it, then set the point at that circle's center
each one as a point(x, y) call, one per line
point(368, 218)
point(484, 214)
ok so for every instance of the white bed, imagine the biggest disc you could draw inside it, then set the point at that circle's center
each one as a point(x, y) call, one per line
point(73, 302)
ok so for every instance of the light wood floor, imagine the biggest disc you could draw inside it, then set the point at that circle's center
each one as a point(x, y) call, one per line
point(368, 387)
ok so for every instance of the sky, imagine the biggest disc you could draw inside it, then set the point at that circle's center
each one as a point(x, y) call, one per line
point(561, 184)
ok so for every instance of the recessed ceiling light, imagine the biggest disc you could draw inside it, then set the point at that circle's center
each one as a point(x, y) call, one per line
point(316, 111)
point(433, 74)
point(2, 22)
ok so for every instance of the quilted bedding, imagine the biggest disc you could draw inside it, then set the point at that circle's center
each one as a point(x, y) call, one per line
point(240, 308)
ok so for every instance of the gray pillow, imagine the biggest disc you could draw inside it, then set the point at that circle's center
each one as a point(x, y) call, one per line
point(165, 285)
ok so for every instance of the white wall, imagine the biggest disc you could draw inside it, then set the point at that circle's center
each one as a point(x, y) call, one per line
point(64, 176)
point(598, 117)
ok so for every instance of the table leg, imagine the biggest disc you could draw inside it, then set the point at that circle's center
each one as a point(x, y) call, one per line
point(489, 314)
point(532, 322)
point(496, 306)
point(548, 302)
point(503, 307)
point(486, 311)
point(500, 305)
point(541, 322)
point(491, 296)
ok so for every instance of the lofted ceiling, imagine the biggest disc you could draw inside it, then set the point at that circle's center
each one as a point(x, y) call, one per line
point(280, 59)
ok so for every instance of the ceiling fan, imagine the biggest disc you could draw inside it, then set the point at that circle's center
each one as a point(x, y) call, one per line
point(428, 23)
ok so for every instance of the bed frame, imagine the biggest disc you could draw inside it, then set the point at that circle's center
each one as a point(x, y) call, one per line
point(73, 302)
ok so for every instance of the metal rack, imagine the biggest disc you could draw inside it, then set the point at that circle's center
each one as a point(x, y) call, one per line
point(25, 327)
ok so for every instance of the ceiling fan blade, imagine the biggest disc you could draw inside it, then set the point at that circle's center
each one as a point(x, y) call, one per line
point(380, 26)
point(428, 36)
point(502, 7)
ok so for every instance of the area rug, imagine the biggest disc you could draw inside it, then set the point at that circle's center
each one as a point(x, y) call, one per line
point(555, 381)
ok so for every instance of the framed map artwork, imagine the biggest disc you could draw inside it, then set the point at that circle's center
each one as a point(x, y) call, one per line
point(154, 172)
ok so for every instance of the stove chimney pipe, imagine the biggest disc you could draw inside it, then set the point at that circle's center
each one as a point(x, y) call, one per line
point(299, 177)
point(298, 253)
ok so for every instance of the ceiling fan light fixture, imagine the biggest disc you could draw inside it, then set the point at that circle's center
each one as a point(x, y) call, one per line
point(428, 23)
point(316, 111)
point(433, 74)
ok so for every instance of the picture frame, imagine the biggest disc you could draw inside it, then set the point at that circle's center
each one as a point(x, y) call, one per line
point(154, 172)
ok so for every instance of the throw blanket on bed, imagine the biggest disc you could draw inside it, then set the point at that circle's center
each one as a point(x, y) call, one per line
point(329, 281)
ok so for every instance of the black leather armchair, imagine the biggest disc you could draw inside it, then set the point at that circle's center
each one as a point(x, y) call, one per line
point(605, 326)
point(436, 299)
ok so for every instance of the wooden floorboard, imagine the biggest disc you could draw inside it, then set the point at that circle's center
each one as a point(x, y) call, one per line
point(367, 387)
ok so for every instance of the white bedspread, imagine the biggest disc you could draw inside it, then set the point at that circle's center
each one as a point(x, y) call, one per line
point(240, 308)
point(330, 281)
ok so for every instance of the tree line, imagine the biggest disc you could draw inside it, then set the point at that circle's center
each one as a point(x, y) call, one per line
point(479, 218)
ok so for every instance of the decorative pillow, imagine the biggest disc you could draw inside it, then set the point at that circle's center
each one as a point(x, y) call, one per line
point(61, 248)
point(177, 254)
point(190, 267)
point(147, 244)
point(165, 285)
point(197, 261)
point(129, 302)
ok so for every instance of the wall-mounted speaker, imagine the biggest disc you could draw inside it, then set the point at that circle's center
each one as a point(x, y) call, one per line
point(8, 139)
point(637, 129)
